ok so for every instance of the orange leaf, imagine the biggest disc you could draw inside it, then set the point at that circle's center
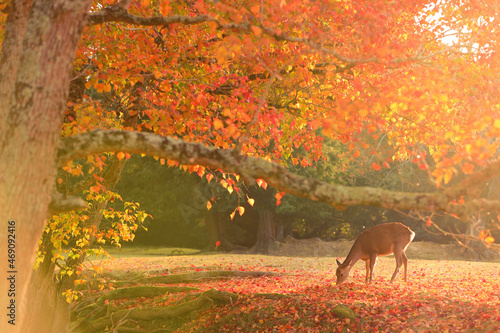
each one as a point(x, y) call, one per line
point(218, 124)
point(256, 30)
point(255, 9)
point(429, 222)
point(315, 124)
point(261, 183)
point(165, 8)
point(241, 210)
point(489, 240)
point(468, 168)
point(209, 205)
point(376, 166)
point(120, 155)
point(251, 201)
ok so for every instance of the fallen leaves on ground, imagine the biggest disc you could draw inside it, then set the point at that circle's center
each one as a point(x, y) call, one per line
point(440, 296)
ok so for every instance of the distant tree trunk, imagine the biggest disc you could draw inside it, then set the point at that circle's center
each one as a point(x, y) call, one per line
point(214, 232)
point(266, 232)
point(282, 226)
point(215, 227)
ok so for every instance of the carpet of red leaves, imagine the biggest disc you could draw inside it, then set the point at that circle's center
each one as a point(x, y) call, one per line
point(440, 296)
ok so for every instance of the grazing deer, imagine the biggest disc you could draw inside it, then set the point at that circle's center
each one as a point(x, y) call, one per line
point(381, 240)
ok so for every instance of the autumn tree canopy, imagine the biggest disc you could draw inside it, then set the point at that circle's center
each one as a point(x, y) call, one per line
point(241, 86)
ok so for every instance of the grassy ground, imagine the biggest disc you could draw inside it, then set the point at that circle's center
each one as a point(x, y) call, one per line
point(301, 295)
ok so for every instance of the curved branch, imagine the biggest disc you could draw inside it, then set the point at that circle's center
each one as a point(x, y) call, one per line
point(117, 13)
point(65, 203)
point(251, 168)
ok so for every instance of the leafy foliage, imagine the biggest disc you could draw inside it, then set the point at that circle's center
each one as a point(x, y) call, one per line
point(68, 238)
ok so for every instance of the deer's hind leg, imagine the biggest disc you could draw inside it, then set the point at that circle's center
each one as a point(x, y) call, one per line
point(398, 255)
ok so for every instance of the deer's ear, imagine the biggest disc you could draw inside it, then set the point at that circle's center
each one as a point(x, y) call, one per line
point(338, 263)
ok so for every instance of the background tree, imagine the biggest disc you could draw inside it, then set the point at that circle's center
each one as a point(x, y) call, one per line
point(202, 76)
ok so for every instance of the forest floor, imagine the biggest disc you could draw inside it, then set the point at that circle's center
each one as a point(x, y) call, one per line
point(291, 290)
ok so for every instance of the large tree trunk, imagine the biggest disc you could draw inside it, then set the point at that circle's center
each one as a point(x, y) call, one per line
point(45, 293)
point(47, 309)
point(33, 103)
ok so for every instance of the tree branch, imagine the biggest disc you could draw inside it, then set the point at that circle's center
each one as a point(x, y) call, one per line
point(117, 13)
point(251, 168)
point(65, 203)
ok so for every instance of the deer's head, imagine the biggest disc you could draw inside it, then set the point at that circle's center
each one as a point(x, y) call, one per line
point(342, 271)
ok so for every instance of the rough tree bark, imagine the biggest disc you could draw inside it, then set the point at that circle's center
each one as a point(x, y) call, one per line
point(251, 168)
point(266, 232)
point(45, 293)
point(35, 73)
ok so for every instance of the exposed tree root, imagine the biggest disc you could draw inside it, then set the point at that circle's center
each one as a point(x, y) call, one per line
point(208, 297)
point(141, 291)
point(197, 276)
point(96, 314)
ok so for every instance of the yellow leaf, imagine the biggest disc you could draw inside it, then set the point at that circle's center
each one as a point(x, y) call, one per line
point(251, 201)
point(447, 176)
point(209, 205)
point(489, 240)
point(439, 179)
point(497, 123)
